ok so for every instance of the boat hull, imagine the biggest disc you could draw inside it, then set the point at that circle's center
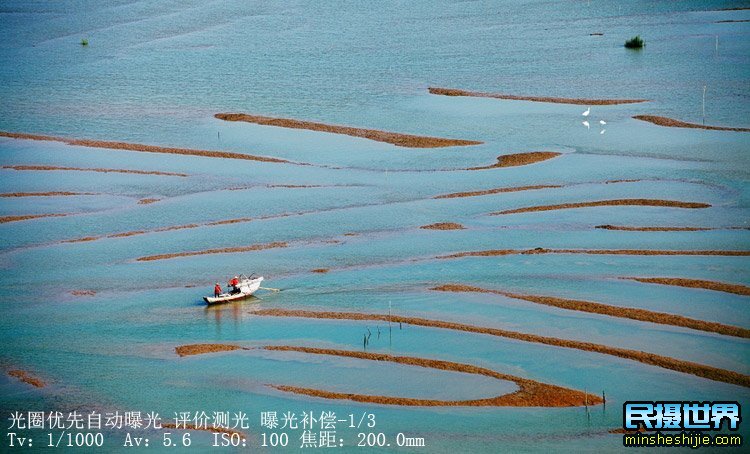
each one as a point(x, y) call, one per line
point(247, 288)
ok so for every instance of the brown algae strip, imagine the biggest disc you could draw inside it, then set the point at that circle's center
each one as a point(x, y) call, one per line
point(653, 229)
point(579, 101)
point(454, 195)
point(226, 250)
point(27, 378)
point(599, 203)
point(100, 170)
point(200, 349)
point(672, 123)
point(539, 250)
point(737, 289)
point(45, 194)
point(146, 148)
point(443, 226)
point(666, 362)
point(531, 393)
point(642, 315)
point(401, 140)
point(519, 159)
point(26, 217)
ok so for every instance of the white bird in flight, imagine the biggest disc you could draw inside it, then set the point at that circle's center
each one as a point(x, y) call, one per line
point(586, 124)
point(587, 112)
point(602, 131)
point(602, 122)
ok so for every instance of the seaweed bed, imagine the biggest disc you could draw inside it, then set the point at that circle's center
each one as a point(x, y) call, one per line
point(26, 217)
point(83, 292)
point(539, 250)
point(253, 247)
point(519, 159)
point(146, 148)
point(26, 377)
point(672, 123)
point(454, 195)
point(632, 313)
point(200, 349)
point(401, 140)
point(695, 283)
point(100, 170)
point(613, 202)
point(666, 362)
point(45, 194)
point(531, 393)
point(443, 226)
point(653, 229)
point(579, 101)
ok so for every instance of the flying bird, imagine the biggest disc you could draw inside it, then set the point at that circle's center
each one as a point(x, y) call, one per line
point(587, 112)
point(602, 122)
point(602, 131)
point(586, 124)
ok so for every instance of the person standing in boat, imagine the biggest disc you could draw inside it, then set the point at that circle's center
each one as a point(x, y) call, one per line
point(217, 290)
point(234, 283)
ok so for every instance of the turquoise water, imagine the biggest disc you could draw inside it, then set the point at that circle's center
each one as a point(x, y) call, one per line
point(157, 72)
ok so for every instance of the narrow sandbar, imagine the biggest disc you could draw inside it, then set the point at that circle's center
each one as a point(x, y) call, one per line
point(666, 362)
point(226, 250)
point(395, 138)
point(579, 101)
point(599, 203)
point(672, 123)
point(443, 226)
point(454, 195)
point(531, 393)
point(737, 289)
point(519, 159)
point(639, 314)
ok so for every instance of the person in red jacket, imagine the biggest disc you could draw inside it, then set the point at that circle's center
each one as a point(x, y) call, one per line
point(217, 290)
point(234, 283)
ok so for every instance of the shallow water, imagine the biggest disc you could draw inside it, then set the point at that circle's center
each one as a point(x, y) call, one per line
point(156, 73)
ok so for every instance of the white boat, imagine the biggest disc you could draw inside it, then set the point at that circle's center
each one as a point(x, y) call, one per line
point(246, 287)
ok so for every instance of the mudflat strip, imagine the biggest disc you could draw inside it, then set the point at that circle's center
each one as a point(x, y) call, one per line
point(531, 393)
point(146, 148)
point(613, 202)
point(578, 101)
point(454, 195)
point(45, 194)
point(672, 123)
point(395, 138)
point(642, 315)
point(737, 289)
point(539, 250)
point(666, 362)
point(443, 226)
point(653, 229)
point(226, 250)
point(200, 349)
point(96, 169)
point(519, 159)
point(27, 378)
point(26, 217)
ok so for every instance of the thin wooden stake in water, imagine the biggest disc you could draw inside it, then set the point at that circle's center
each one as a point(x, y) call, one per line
point(704, 104)
point(604, 398)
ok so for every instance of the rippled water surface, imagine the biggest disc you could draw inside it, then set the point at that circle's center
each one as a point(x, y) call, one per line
point(157, 72)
